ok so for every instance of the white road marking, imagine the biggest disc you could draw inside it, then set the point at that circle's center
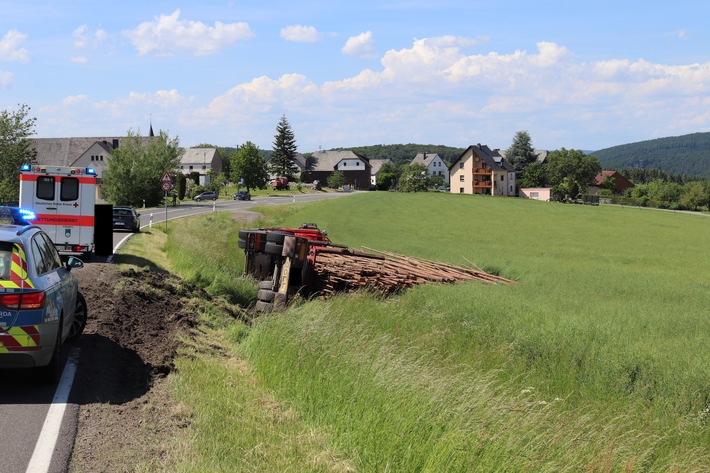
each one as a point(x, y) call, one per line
point(42, 455)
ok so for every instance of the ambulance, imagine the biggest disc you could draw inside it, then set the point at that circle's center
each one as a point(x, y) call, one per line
point(63, 199)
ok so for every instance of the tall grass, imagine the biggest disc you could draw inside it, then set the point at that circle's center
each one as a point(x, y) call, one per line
point(595, 360)
point(609, 314)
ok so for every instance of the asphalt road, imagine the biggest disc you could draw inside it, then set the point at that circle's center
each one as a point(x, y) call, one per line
point(25, 403)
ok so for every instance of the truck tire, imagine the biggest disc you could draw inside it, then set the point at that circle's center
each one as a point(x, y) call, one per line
point(264, 307)
point(277, 237)
point(268, 284)
point(243, 234)
point(266, 295)
point(273, 248)
point(242, 244)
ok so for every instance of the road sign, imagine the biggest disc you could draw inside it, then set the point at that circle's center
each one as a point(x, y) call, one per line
point(166, 177)
point(167, 186)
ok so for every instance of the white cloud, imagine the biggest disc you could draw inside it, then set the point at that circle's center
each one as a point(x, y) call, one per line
point(83, 38)
point(5, 79)
point(300, 34)
point(168, 34)
point(361, 45)
point(79, 59)
point(9, 47)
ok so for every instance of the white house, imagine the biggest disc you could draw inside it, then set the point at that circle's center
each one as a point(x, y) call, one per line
point(200, 160)
point(434, 164)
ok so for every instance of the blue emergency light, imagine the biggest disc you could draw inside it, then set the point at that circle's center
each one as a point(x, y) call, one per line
point(25, 167)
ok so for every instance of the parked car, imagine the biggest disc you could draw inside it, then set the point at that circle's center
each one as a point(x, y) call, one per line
point(126, 218)
point(242, 195)
point(205, 196)
point(41, 307)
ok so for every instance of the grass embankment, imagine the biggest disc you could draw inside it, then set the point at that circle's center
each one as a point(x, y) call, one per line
point(596, 360)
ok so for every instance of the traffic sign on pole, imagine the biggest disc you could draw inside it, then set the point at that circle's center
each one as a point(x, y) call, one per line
point(166, 177)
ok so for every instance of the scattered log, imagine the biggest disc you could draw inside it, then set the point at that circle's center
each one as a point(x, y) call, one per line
point(388, 273)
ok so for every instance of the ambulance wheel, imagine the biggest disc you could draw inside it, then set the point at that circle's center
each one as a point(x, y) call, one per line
point(80, 317)
point(51, 373)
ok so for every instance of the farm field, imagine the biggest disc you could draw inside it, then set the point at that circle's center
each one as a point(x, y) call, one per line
point(596, 358)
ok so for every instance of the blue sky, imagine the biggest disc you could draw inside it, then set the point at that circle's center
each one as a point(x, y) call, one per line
point(575, 74)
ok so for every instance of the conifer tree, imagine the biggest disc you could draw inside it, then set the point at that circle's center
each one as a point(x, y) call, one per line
point(283, 157)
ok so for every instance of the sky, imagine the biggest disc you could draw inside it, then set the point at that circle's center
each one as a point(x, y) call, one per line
point(572, 73)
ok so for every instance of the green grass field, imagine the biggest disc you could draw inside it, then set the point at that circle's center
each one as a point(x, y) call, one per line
point(596, 359)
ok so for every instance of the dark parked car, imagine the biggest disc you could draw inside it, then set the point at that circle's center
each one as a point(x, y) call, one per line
point(40, 304)
point(205, 196)
point(242, 195)
point(126, 218)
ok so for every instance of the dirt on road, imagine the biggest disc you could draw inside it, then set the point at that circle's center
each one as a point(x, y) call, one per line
point(126, 416)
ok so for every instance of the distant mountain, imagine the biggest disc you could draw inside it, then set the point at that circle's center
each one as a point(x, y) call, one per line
point(687, 154)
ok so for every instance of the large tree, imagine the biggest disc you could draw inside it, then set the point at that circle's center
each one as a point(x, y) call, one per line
point(134, 170)
point(283, 157)
point(571, 171)
point(521, 152)
point(248, 164)
point(16, 149)
point(415, 178)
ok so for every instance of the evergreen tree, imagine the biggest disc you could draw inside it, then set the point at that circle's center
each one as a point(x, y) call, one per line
point(248, 164)
point(521, 152)
point(16, 149)
point(283, 157)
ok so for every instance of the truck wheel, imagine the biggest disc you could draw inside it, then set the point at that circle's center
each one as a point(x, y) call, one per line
point(268, 284)
point(277, 237)
point(264, 307)
point(273, 248)
point(266, 295)
point(243, 234)
point(242, 244)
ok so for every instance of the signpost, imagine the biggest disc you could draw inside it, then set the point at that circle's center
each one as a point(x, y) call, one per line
point(167, 184)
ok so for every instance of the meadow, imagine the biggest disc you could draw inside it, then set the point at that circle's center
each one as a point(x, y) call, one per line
point(596, 359)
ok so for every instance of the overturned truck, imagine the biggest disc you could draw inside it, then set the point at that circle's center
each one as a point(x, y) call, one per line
point(304, 262)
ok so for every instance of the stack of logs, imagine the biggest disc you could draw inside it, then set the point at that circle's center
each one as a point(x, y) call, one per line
point(387, 273)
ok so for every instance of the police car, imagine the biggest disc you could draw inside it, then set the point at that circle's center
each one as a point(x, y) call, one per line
point(40, 304)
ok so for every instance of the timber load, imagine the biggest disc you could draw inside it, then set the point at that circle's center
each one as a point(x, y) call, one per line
point(305, 262)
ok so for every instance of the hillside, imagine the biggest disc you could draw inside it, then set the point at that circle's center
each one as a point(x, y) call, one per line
point(403, 154)
point(687, 154)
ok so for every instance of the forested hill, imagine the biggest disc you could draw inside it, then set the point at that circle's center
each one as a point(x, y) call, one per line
point(687, 154)
point(403, 154)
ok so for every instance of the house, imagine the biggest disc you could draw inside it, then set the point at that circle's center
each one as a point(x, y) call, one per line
point(620, 183)
point(356, 168)
point(480, 170)
point(434, 164)
point(536, 193)
point(200, 161)
point(375, 167)
point(91, 152)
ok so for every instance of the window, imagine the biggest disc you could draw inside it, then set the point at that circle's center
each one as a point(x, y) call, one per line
point(5, 259)
point(460, 165)
point(502, 178)
point(534, 195)
point(345, 163)
point(55, 260)
point(92, 157)
point(460, 190)
point(462, 177)
point(69, 189)
point(45, 187)
point(357, 163)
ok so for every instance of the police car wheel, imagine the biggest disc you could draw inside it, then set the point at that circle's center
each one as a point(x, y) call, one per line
point(51, 373)
point(80, 318)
